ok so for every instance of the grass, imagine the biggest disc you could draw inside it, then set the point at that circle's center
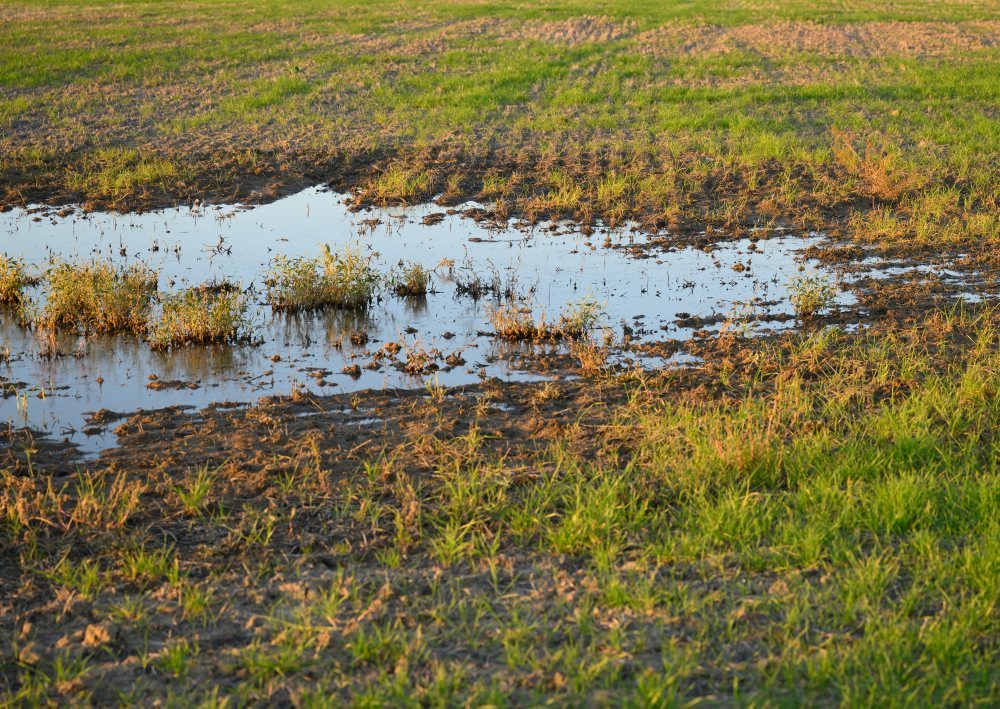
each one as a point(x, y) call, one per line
point(819, 114)
point(342, 280)
point(123, 172)
point(14, 279)
point(500, 287)
point(809, 520)
point(399, 185)
point(201, 316)
point(412, 280)
point(102, 298)
point(515, 322)
point(810, 294)
point(99, 297)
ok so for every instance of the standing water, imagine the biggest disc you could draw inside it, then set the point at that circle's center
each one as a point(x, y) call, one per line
point(548, 267)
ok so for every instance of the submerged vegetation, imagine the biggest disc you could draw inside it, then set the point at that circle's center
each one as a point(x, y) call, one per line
point(99, 297)
point(346, 280)
point(469, 282)
point(201, 316)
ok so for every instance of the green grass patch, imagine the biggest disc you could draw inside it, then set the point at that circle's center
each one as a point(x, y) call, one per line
point(389, 99)
point(411, 280)
point(119, 172)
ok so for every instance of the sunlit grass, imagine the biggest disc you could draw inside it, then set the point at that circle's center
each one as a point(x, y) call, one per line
point(201, 316)
point(400, 184)
point(14, 278)
point(99, 297)
point(412, 280)
point(810, 293)
point(515, 322)
point(647, 118)
point(345, 279)
point(121, 172)
point(802, 502)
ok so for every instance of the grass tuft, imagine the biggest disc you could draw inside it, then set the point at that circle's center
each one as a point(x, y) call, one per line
point(343, 280)
point(881, 171)
point(99, 297)
point(810, 294)
point(14, 279)
point(201, 316)
point(412, 280)
point(516, 323)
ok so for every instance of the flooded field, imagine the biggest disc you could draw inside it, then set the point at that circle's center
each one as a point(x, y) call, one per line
point(444, 338)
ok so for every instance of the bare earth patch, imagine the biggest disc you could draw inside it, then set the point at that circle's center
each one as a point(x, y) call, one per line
point(575, 31)
point(866, 39)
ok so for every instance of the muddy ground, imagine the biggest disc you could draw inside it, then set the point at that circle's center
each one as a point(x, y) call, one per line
point(890, 287)
point(317, 505)
point(294, 550)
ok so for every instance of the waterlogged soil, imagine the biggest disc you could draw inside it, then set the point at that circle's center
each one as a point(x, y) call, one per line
point(445, 338)
point(661, 294)
point(286, 573)
point(287, 568)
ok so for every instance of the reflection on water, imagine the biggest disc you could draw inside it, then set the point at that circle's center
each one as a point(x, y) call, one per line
point(546, 268)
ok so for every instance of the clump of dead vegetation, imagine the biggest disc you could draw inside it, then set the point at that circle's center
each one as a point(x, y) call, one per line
point(515, 322)
point(881, 172)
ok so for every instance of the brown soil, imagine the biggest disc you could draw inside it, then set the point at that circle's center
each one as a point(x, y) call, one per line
point(575, 31)
point(858, 40)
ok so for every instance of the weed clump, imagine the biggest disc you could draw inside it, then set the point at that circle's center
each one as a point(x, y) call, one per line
point(412, 280)
point(593, 357)
point(201, 316)
point(343, 280)
point(514, 323)
point(881, 172)
point(14, 279)
point(400, 184)
point(810, 294)
point(100, 297)
point(581, 317)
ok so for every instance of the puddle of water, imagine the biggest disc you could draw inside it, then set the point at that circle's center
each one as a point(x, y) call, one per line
point(876, 267)
point(189, 246)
